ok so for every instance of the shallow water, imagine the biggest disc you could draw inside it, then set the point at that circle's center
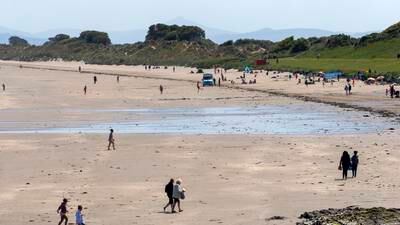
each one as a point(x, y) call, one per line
point(295, 119)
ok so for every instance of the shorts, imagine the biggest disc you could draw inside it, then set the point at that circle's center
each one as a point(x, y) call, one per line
point(177, 200)
point(171, 200)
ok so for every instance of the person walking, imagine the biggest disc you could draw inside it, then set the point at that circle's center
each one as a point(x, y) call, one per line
point(198, 86)
point(118, 79)
point(354, 163)
point(344, 164)
point(169, 190)
point(346, 89)
point(111, 140)
point(85, 89)
point(349, 88)
point(79, 216)
point(392, 90)
point(62, 210)
point(161, 89)
point(4, 87)
point(177, 195)
point(94, 79)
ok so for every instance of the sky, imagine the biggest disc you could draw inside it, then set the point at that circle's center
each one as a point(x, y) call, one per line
point(233, 15)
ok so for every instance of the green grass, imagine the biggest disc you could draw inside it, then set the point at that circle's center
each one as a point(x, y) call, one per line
point(387, 49)
point(380, 65)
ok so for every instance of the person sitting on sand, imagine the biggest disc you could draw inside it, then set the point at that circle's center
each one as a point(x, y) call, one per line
point(354, 163)
point(169, 190)
point(177, 195)
point(79, 216)
point(111, 140)
point(344, 164)
point(62, 210)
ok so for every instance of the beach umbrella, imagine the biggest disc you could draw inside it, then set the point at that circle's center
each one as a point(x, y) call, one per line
point(371, 79)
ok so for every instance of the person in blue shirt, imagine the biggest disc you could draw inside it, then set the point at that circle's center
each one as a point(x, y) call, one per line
point(79, 216)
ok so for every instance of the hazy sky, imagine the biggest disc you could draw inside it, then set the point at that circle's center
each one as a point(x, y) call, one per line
point(235, 15)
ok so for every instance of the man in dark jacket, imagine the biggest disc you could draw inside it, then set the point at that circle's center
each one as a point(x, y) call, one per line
point(169, 189)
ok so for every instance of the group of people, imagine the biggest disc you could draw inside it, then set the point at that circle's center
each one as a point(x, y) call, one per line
point(347, 88)
point(392, 91)
point(175, 193)
point(346, 163)
point(63, 210)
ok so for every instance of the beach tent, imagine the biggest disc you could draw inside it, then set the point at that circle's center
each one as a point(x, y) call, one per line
point(332, 75)
point(247, 69)
point(380, 78)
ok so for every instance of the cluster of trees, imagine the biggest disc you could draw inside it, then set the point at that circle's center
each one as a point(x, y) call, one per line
point(95, 37)
point(162, 32)
point(59, 37)
point(17, 41)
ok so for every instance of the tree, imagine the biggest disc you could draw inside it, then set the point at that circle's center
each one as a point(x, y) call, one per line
point(17, 41)
point(162, 32)
point(59, 37)
point(95, 37)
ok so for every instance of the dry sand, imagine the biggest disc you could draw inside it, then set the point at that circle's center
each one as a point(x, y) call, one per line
point(231, 179)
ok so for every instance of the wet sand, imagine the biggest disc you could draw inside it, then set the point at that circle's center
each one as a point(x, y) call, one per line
point(231, 179)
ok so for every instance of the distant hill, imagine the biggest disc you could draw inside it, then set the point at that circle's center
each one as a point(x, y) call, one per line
point(6, 33)
point(215, 34)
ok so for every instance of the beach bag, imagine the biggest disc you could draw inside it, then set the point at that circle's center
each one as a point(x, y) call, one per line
point(183, 195)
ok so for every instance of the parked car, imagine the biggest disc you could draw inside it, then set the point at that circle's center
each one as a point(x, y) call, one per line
point(208, 79)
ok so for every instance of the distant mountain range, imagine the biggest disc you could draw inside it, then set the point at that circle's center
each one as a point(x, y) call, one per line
point(215, 34)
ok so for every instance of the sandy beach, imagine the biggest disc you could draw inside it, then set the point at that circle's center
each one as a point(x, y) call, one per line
point(243, 178)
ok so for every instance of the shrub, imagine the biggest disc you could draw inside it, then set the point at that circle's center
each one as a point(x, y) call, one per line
point(300, 45)
point(227, 43)
point(340, 40)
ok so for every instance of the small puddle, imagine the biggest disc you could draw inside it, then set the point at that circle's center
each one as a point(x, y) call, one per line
point(295, 119)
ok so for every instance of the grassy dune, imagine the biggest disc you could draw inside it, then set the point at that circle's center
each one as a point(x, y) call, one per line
point(379, 56)
point(380, 65)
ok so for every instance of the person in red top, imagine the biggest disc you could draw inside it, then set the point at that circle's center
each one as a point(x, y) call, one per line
point(62, 210)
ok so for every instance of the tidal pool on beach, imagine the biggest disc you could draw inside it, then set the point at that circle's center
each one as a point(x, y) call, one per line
point(292, 119)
